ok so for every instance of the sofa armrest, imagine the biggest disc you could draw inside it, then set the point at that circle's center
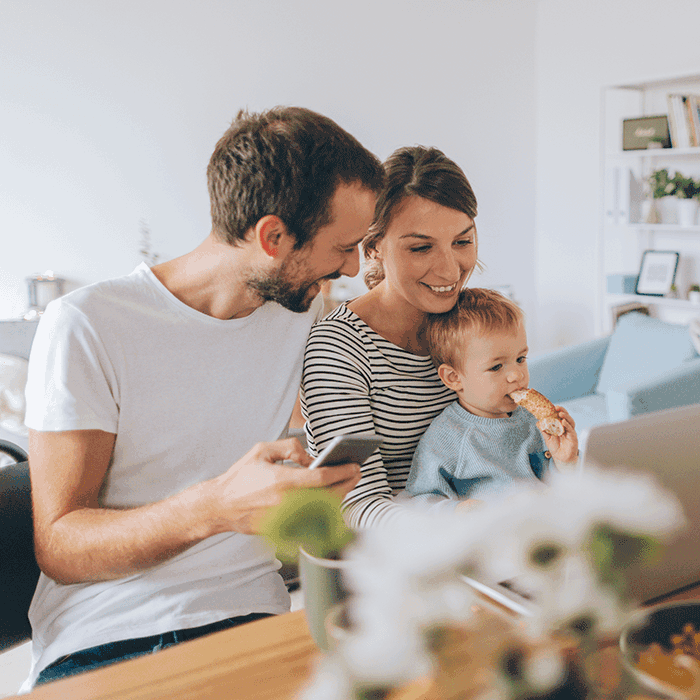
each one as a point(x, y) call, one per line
point(570, 372)
point(679, 386)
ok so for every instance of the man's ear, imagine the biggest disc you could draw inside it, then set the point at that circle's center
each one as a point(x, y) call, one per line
point(272, 236)
point(450, 377)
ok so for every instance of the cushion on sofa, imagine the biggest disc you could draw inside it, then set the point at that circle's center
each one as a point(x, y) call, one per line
point(641, 347)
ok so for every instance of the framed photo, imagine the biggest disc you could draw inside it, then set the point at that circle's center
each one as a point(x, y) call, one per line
point(641, 132)
point(657, 272)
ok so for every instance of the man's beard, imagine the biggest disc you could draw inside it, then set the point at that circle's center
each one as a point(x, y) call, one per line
point(279, 289)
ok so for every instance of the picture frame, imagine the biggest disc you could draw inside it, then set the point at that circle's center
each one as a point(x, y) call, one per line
point(657, 272)
point(639, 133)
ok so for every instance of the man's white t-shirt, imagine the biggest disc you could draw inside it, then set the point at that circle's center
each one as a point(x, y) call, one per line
point(187, 395)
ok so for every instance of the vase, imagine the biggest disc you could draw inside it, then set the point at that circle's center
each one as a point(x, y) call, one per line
point(687, 211)
point(694, 297)
point(650, 212)
point(323, 588)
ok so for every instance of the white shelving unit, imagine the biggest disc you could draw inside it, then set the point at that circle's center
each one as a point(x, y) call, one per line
point(624, 236)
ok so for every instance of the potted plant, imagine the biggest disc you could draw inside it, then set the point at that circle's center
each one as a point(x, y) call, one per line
point(656, 142)
point(685, 190)
point(308, 527)
point(659, 186)
point(694, 293)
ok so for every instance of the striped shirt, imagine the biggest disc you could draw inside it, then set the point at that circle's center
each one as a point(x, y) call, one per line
point(355, 381)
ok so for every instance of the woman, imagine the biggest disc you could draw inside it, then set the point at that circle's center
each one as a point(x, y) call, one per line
point(367, 367)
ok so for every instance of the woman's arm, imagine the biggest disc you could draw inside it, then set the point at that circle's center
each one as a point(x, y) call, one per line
point(336, 385)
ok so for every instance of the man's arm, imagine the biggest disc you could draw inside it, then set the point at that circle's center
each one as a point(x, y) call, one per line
point(78, 541)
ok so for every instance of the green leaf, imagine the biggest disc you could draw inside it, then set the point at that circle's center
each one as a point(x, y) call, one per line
point(613, 551)
point(308, 518)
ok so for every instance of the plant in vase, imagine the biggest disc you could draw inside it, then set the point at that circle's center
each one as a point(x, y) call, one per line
point(308, 527)
point(694, 293)
point(412, 614)
point(659, 185)
point(685, 190)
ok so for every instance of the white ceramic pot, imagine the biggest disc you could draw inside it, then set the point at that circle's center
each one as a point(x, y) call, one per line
point(650, 212)
point(694, 297)
point(687, 211)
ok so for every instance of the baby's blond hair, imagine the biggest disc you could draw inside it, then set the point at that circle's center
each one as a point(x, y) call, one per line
point(476, 310)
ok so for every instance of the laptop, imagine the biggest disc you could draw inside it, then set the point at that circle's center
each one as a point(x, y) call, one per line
point(666, 445)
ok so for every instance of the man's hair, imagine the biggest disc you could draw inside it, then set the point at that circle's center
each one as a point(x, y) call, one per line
point(421, 172)
point(476, 312)
point(287, 161)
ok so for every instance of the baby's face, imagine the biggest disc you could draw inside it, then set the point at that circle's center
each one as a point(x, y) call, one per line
point(494, 364)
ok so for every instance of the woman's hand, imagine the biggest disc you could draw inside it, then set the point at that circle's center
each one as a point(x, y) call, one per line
point(564, 448)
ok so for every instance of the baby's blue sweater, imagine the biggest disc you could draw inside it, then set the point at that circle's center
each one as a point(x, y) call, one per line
point(466, 456)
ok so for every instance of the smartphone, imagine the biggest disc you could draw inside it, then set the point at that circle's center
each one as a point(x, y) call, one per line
point(347, 448)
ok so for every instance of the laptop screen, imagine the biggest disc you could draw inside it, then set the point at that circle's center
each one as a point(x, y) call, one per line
point(665, 445)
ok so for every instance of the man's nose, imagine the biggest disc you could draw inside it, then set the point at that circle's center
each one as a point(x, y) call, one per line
point(351, 263)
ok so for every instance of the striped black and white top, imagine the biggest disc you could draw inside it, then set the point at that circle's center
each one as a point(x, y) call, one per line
point(355, 381)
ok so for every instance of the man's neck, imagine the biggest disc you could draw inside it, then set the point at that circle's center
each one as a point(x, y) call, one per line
point(211, 279)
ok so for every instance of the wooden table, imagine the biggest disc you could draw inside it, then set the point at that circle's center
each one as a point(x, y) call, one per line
point(265, 660)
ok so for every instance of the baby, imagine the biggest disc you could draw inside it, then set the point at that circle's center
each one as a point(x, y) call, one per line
point(483, 442)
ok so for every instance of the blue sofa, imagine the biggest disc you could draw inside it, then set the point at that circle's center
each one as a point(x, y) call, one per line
point(645, 365)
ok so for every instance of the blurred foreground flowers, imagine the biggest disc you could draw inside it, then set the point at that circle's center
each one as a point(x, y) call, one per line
point(411, 615)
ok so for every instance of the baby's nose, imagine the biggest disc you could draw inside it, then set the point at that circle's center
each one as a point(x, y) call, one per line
point(515, 375)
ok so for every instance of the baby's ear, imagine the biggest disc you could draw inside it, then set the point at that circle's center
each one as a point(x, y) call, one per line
point(450, 377)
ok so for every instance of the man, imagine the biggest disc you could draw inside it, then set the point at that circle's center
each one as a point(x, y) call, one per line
point(145, 389)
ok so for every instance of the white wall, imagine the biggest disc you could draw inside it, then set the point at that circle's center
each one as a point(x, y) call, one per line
point(110, 112)
point(580, 48)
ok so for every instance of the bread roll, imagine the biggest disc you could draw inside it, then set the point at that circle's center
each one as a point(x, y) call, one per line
point(540, 407)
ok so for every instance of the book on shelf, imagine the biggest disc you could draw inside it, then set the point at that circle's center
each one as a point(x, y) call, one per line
point(693, 105)
point(684, 120)
point(623, 196)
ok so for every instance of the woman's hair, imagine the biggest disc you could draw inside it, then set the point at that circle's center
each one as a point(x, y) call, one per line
point(477, 311)
point(421, 172)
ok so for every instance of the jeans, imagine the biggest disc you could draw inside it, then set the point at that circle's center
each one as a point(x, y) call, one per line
point(106, 654)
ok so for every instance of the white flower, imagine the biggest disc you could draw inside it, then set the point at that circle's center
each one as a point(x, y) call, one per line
point(544, 669)
point(330, 681)
point(405, 576)
point(388, 655)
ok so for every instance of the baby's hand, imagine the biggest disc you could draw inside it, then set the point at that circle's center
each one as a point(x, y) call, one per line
point(468, 504)
point(564, 448)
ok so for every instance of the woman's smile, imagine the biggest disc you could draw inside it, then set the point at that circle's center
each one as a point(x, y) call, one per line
point(442, 289)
